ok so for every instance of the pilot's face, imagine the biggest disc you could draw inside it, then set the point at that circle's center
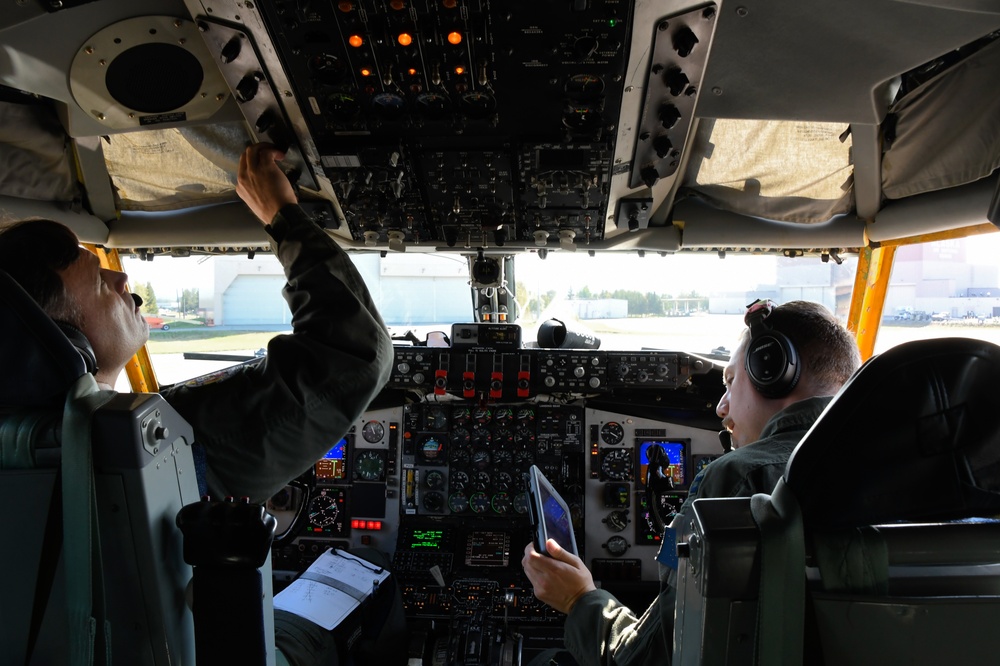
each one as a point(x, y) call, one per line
point(743, 410)
point(101, 307)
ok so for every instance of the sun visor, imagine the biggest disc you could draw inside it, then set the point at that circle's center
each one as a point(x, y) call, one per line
point(947, 130)
point(786, 171)
point(34, 155)
point(169, 169)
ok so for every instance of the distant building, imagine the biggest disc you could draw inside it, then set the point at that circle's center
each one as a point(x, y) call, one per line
point(408, 290)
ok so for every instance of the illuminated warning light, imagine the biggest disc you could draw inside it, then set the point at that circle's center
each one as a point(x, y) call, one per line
point(345, 6)
point(411, 71)
point(365, 71)
point(357, 524)
point(397, 5)
point(455, 38)
point(355, 41)
point(404, 39)
point(449, 4)
point(460, 70)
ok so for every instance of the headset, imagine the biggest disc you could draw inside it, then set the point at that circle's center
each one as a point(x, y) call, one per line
point(82, 344)
point(772, 363)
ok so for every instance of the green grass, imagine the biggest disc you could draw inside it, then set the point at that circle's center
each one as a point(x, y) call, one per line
point(167, 342)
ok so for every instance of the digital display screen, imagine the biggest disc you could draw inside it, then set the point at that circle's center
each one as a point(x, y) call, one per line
point(426, 539)
point(645, 528)
point(557, 521)
point(487, 549)
point(327, 512)
point(331, 465)
point(675, 470)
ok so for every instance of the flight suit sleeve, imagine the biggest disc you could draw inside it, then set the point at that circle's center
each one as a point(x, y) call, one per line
point(601, 631)
point(263, 424)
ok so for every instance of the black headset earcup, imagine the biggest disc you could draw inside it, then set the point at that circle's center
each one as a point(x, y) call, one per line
point(772, 364)
point(82, 344)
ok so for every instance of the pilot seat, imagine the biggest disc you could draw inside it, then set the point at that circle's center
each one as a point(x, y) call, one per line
point(92, 482)
point(878, 545)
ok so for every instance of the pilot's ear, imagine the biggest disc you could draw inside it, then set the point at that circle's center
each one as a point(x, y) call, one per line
point(82, 344)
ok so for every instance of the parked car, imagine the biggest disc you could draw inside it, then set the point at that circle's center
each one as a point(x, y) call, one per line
point(157, 322)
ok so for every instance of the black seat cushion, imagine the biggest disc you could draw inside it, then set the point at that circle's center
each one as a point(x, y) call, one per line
point(913, 436)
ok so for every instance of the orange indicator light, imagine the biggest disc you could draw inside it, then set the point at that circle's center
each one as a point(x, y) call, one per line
point(460, 70)
point(345, 6)
point(404, 39)
point(455, 38)
point(355, 41)
point(411, 71)
point(365, 71)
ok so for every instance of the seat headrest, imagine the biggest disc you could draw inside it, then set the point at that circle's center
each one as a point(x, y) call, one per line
point(914, 435)
point(38, 360)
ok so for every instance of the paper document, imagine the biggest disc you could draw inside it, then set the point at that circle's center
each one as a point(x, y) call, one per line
point(333, 586)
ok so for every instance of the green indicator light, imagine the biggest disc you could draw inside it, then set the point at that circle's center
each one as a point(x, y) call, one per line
point(612, 22)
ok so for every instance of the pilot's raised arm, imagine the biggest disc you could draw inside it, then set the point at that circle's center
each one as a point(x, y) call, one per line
point(261, 425)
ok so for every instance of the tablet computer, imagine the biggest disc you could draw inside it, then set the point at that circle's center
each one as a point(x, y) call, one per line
point(549, 513)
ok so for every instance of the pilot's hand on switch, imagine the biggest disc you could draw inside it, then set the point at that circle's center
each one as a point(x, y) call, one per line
point(558, 580)
point(261, 183)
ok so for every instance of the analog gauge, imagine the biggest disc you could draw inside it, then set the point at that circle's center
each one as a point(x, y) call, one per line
point(524, 458)
point(503, 415)
point(373, 431)
point(479, 502)
point(543, 446)
point(612, 433)
point(342, 106)
point(436, 419)
point(503, 480)
point(582, 117)
point(323, 511)
point(431, 449)
point(434, 479)
point(458, 481)
point(460, 436)
point(369, 465)
point(502, 503)
point(585, 86)
point(503, 437)
point(477, 105)
point(521, 503)
point(327, 68)
point(388, 106)
point(458, 502)
point(481, 458)
point(461, 415)
point(460, 455)
point(524, 436)
point(433, 501)
point(617, 545)
point(526, 415)
point(616, 464)
point(481, 480)
point(433, 106)
point(502, 457)
point(481, 437)
point(617, 520)
point(482, 415)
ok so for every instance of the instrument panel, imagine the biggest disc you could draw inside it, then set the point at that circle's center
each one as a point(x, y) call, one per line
point(436, 478)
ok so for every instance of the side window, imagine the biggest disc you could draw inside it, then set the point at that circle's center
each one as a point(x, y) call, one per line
point(943, 289)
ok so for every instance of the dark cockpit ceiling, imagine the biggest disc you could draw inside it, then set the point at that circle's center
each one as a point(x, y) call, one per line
point(759, 125)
